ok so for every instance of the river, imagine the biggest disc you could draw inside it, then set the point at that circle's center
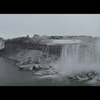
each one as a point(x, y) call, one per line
point(10, 75)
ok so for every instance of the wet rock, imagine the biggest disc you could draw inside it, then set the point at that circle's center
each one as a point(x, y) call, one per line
point(36, 67)
point(83, 76)
point(89, 74)
point(79, 75)
point(95, 73)
point(70, 76)
point(24, 68)
point(20, 68)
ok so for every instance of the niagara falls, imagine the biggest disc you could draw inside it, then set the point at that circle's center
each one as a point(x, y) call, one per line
point(49, 50)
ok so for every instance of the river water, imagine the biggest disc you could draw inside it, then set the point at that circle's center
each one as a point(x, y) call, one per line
point(10, 75)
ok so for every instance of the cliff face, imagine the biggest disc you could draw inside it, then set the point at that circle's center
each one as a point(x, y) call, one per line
point(40, 43)
point(15, 45)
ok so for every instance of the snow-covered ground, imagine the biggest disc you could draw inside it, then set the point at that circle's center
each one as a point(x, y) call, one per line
point(30, 58)
point(55, 41)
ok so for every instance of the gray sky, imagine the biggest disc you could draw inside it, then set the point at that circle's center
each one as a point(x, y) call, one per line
point(15, 25)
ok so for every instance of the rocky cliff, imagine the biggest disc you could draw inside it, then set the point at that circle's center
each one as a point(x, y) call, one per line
point(34, 54)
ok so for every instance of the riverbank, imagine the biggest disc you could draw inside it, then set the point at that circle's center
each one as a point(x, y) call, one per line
point(36, 61)
point(39, 56)
point(11, 76)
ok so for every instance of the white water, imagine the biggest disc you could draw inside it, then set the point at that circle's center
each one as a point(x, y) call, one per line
point(1, 45)
point(78, 58)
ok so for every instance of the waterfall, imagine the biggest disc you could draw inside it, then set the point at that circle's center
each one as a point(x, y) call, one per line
point(1, 45)
point(78, 58)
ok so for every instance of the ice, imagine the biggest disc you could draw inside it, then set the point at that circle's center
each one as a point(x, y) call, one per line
point(55, 41)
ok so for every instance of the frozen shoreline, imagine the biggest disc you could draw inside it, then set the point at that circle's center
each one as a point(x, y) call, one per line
point(36, 61)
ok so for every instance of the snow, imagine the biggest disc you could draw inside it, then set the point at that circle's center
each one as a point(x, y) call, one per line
point(81, 79)
point(27, 60)
point(49, 76)
point(55, 41)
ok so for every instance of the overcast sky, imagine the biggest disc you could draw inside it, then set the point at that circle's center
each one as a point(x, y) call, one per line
point(15, 25)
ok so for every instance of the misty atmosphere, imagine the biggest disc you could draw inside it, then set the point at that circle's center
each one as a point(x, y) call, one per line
point(49, 50)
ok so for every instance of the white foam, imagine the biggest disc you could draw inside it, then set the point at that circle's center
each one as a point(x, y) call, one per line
point(78, 58)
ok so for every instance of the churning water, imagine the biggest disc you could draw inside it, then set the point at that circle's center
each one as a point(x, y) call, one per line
point(10, 75)
point(78, 58)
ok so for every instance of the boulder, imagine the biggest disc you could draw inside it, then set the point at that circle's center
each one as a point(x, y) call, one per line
point(24, 68)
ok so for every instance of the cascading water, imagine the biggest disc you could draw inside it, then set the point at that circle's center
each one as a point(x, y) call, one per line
point(1, 45)
point(78, 58)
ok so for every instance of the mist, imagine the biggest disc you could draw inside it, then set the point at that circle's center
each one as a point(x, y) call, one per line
point(74, 60)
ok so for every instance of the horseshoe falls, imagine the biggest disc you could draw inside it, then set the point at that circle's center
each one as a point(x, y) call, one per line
point(78, 58)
